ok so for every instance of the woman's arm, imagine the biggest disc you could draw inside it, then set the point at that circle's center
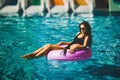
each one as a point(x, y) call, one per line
point(66, 43)
point(63, 43)
point(86, 41)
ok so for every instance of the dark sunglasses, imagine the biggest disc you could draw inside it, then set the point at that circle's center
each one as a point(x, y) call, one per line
point(83, 28)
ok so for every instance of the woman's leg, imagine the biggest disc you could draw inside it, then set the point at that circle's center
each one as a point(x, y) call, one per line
point(38, 50)
point(33, 53)
point(48, 48)
point(42, 51)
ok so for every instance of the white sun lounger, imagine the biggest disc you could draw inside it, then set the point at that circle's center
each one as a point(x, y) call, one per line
point(9, 6)
point(36, 9)
point(13, 6)
point(58, 8)
point(84, 8)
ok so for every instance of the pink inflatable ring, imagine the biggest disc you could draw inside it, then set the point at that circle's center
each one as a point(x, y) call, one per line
point(77, 55)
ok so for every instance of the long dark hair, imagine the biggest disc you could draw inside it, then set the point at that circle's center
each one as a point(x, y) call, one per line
point(87, 33)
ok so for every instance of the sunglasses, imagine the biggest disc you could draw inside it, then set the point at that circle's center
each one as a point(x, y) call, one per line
point(82, 28)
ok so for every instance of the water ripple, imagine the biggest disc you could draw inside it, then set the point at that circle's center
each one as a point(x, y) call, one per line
point(19, 36)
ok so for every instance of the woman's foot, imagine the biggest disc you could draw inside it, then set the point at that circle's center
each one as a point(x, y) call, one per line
point(28, 56)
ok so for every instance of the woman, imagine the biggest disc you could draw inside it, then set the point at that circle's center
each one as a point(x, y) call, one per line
point(81, 41)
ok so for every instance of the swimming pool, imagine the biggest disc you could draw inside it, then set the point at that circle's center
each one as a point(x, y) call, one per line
point(19, 36)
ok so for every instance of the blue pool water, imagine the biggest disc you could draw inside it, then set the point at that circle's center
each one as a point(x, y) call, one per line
point(19, 36)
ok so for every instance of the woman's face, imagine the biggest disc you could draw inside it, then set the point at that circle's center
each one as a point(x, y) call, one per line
point(82, 28)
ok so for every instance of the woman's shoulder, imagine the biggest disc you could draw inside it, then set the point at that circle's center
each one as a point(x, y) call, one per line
point(78, 33)
point(87, 36)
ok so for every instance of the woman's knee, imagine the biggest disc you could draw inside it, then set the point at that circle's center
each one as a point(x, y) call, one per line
point(48, 45)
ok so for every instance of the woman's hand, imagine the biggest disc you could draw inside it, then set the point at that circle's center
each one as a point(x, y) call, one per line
point(73, 47)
